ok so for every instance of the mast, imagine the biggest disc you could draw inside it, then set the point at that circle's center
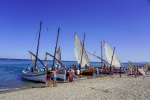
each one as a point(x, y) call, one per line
point(112, 60)
point(82, 49)
point(53, 67)
point(112, 56)
point(35, 67)
point(101, 53)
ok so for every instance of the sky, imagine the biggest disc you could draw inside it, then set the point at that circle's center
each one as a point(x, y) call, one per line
point(124, 24)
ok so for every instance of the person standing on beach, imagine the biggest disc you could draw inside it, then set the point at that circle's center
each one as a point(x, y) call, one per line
point(138, 70)
point(100, 69)
point(127, 71)
point(48, 78)
point(79, 66)
point(124, 70)
point(110, 69)
point(120, 71)
point(67, 76)
point(97, 71)
point(135, 70)
point(104, 69)
point(70, 75)
point(54, 78)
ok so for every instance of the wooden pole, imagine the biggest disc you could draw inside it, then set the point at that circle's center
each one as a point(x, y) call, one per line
point(53, 66)
point(112, 56)
point(35, 67)
point(112, 59)
point(101, 53)
point(82, 49)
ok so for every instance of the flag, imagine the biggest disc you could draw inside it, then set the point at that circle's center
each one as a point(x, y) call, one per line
point(46, 56)
point(32, 58)
point(130, 67)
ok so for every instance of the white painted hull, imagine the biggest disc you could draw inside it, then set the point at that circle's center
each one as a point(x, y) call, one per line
point(41, 77)
point(34, 77)
point(141, 71)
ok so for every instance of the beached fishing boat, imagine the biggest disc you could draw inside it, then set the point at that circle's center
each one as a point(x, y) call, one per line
point(60, 70)
point(33, 73)
point(57, 64)
point(81, 56)
point(111, 59)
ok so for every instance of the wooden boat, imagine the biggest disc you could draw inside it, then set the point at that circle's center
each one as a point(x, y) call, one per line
point(111, 59)
point(81, 56)
point(32, 73)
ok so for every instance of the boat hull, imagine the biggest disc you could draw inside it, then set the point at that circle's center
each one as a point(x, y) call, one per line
point(87, 72)
point(41, 77)
point(34, 77)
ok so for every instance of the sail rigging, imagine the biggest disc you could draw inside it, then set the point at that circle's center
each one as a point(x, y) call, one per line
point(80, 52)
point(58, 55)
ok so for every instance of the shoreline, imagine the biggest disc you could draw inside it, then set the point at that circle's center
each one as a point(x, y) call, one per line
point(101, 88)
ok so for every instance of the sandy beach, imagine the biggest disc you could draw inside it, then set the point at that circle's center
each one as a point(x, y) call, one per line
point(102, 88)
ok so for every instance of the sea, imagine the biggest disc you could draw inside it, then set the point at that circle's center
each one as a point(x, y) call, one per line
point(11, 69)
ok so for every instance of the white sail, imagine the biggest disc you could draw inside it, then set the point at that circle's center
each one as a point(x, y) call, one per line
point(78, 52)
point(109, 54)
point(58, 55)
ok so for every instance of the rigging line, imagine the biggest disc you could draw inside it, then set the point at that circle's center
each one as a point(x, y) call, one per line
point(34, 42)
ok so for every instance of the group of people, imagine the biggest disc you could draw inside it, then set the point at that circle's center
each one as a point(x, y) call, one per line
point(133, 71)
point(51, 78)
point(70, 75)
point(105, 70)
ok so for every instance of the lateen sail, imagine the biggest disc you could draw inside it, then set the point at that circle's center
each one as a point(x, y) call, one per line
point(78, 52)
point(109, 53)
point(58, 55)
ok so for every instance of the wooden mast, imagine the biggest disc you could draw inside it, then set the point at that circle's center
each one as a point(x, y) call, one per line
point(35, 67)
point(101, 53)
point(112, 59)
point(53, 67)
point(82, 49)
point(112, 56)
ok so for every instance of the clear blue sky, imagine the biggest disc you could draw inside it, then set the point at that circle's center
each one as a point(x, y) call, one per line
point(124, 24)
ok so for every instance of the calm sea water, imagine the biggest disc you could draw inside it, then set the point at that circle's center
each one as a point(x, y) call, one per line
point(10, 73)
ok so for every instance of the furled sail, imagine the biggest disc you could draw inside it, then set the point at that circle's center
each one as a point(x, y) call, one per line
point(78, 47)
point(109, 53)
point(58, 55)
